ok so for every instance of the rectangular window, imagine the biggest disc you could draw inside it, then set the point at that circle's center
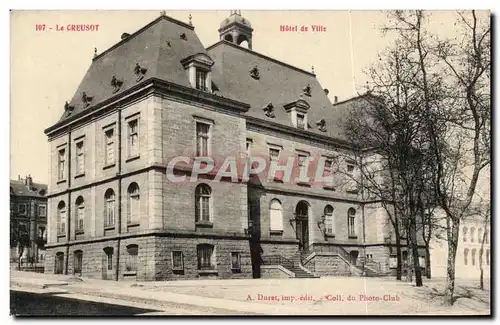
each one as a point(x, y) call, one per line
point(249, 146)
point(329, 223)
point(205, 255)
point(109, 258)
point(131, 262)
point(42, 211)
point(235, 261)
point(202, 136)
point(110, 147)
point(350, 169)
point(302, 163)
point(61, 164)
point(177, 261)
point(22, 209)
point(134, 212)
point(59, 267)
point(133, 138)
point(201, 80)
point(80, 159)
point(77, 261)
point(62, 222)
point(274, 154)
point(80, 217)
point(110, 213)
point(300, 121)
point(351, 226)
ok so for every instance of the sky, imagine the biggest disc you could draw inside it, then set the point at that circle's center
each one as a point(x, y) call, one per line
point(47, 66)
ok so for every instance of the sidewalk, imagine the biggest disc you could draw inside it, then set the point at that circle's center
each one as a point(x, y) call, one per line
point(126, 291)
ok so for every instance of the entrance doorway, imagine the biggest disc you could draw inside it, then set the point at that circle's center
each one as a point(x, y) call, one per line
point(354, 257)
point(302, 224)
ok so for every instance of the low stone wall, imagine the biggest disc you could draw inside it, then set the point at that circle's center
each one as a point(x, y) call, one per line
point(273, 272)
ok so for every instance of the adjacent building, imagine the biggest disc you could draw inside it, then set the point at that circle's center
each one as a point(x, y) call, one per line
point(129, 197)
point(28, 220)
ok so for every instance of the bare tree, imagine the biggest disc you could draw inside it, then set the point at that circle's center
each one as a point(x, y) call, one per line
point(456, 115)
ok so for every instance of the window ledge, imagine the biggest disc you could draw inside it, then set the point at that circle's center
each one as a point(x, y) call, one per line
point(61, 235)
point(131, 158)
point(207, 272)
point(352, 191)
point(61, 181)
point(79, 232)
point(129, 273)
point(109, 227)
point(79, 175)
point(352, 236)
point(109, 166)
point(276, 232)
point(329, 188)
point(236, 269)
point(330, 235)
point(300, 183)
point(206, 224)
point(133, 224)
point(177, 269)
point(277, 180)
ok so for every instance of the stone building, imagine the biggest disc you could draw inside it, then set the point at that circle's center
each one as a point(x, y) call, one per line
point(154, 109)
point(28, 220)
point(471, 251)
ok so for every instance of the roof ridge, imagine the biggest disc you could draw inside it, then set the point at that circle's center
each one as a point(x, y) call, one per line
point(140, 30)
point(262, 56)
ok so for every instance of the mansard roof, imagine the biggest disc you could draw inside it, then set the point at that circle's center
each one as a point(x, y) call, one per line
point(157, 49)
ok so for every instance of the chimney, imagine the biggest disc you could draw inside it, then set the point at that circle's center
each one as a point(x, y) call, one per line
point(335, 99)
point(18, 177)
point(125, 35)
point(28, 181)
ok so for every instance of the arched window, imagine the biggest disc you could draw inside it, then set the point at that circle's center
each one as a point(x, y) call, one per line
point(351, 222)
point(275, 215)
point(59, 263)
point(464, 235)
point(80, 214)
point(329, 221)
point(472, 234)
point(480, 235)
point(109, 208)
point(206, 257)
point(131, 262)
point(77, 262)
point(134, 208)
point(473, 256)
point(108, 251)
point(466, 255)
point(203, 203)
point(61, 218)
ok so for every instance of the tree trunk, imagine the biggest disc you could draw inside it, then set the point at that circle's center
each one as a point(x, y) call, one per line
point(428, 261)
point(414, 251)
point(452, 252)
point(398, 256)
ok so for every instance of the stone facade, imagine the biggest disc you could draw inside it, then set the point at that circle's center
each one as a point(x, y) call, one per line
point(113, 205)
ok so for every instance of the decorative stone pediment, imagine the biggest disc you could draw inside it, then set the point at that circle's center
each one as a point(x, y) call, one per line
point(300, 105)
point(198, 59)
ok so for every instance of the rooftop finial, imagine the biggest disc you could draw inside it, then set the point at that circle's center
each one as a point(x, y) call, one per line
point(163, 13)
point(190, 22)
point(95, 52)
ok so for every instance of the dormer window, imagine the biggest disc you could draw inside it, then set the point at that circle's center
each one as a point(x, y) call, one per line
point(300, 121)
point(198, 68)
point(201, 80)
point(297, 112)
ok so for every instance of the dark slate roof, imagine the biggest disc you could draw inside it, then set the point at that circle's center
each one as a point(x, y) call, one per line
point(279, 84)
point(18, 188)
point(149, 47)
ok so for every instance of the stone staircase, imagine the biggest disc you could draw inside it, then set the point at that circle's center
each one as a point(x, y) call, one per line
point(293, 265)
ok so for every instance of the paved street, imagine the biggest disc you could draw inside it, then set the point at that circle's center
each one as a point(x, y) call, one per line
point(34, 304)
